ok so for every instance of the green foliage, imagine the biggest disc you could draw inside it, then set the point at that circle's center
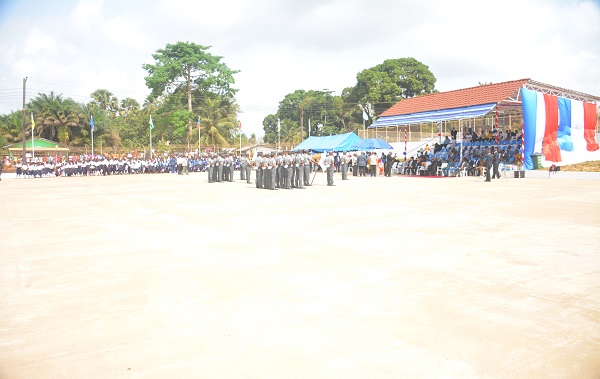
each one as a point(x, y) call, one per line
point(188, 66)
point(10, 127)
point(379, 87)
point(218, 122)
point(181, 121)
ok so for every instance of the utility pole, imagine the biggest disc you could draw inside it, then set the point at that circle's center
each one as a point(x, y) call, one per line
point(23, 122)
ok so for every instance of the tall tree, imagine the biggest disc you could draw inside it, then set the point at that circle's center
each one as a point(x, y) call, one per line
point(379, 87)
point(189, 66)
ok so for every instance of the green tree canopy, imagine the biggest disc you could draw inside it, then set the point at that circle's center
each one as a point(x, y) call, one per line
point(189, 66)
point(379, 87)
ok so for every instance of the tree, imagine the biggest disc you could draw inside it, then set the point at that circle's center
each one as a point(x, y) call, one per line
point(105, 100)
point(379, 87)
point(129, 106)
point(188, 66)
point(10, 127)
point(217, 123)
point(57, 118)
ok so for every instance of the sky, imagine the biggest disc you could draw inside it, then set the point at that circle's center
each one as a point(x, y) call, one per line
point(73, 47)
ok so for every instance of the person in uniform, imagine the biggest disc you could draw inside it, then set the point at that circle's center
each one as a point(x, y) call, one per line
point(243, 165)
point(496, 163)
point(211, 169)
point(219, 168)
point(287, 165)
point(488, 165)
point(225, 168)
point(299, 171)
point(272, 171)
point(307, 165)
point(248, 168)
point(280, 173)
point(344, 163)
point(259, 170)
point(329, 164)
point(229, 168)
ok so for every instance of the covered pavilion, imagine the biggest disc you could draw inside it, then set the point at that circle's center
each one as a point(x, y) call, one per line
point(485, 107)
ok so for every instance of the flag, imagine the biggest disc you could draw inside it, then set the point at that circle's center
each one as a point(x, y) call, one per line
point(198, 123)
point(151, 123)
point(560, 129)
point(92, 123)
point(322, 161)
point(278, 126)
point(32, 123)
point(240, 126)
point(365, 116)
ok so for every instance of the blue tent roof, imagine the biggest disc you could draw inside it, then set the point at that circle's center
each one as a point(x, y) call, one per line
point(373, 143)
point(338, 142)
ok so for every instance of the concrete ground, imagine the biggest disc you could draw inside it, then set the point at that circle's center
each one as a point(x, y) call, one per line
point(166, 276)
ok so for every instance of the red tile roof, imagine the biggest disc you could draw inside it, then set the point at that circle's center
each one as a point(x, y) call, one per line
point(486, 94)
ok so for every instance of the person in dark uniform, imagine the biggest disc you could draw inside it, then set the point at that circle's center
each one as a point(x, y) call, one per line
point(496, 163)
point(389, 161)
point(488, 165)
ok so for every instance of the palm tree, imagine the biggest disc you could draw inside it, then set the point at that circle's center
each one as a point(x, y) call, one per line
point(10, 127)
point(57, 118)
point(217, 122)
point(129, 106)
point(290, 131)
point(104, 99)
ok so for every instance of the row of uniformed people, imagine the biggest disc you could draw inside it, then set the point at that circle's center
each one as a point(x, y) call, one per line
point(285, 170)
point(35, 169)
point(220, 168)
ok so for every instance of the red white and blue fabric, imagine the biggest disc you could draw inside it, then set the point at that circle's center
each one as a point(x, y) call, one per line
point(562, 130)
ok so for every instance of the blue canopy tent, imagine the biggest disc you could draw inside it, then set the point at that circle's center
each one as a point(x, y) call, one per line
point(339, 142)
point(372, 144)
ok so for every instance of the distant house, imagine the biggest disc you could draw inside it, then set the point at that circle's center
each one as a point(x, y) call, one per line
point(257, 148)
point(37, 147)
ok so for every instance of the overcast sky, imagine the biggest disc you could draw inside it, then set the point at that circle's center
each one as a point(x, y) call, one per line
point(77, 46)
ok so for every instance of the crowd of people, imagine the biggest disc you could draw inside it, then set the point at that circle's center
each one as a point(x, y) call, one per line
point(290, 169)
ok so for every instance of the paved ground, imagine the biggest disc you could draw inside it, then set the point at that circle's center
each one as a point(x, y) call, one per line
point(164, 276)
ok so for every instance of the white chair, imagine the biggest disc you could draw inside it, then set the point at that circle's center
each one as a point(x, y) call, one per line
point(441, 168)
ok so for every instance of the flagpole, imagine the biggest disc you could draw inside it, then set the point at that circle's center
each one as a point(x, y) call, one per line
point(309, 127)
point(32, 143)
point(278, 135)
point(150, 143)
point(92, 142)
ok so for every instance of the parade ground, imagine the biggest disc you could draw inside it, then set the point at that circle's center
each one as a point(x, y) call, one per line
point(167, 276)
